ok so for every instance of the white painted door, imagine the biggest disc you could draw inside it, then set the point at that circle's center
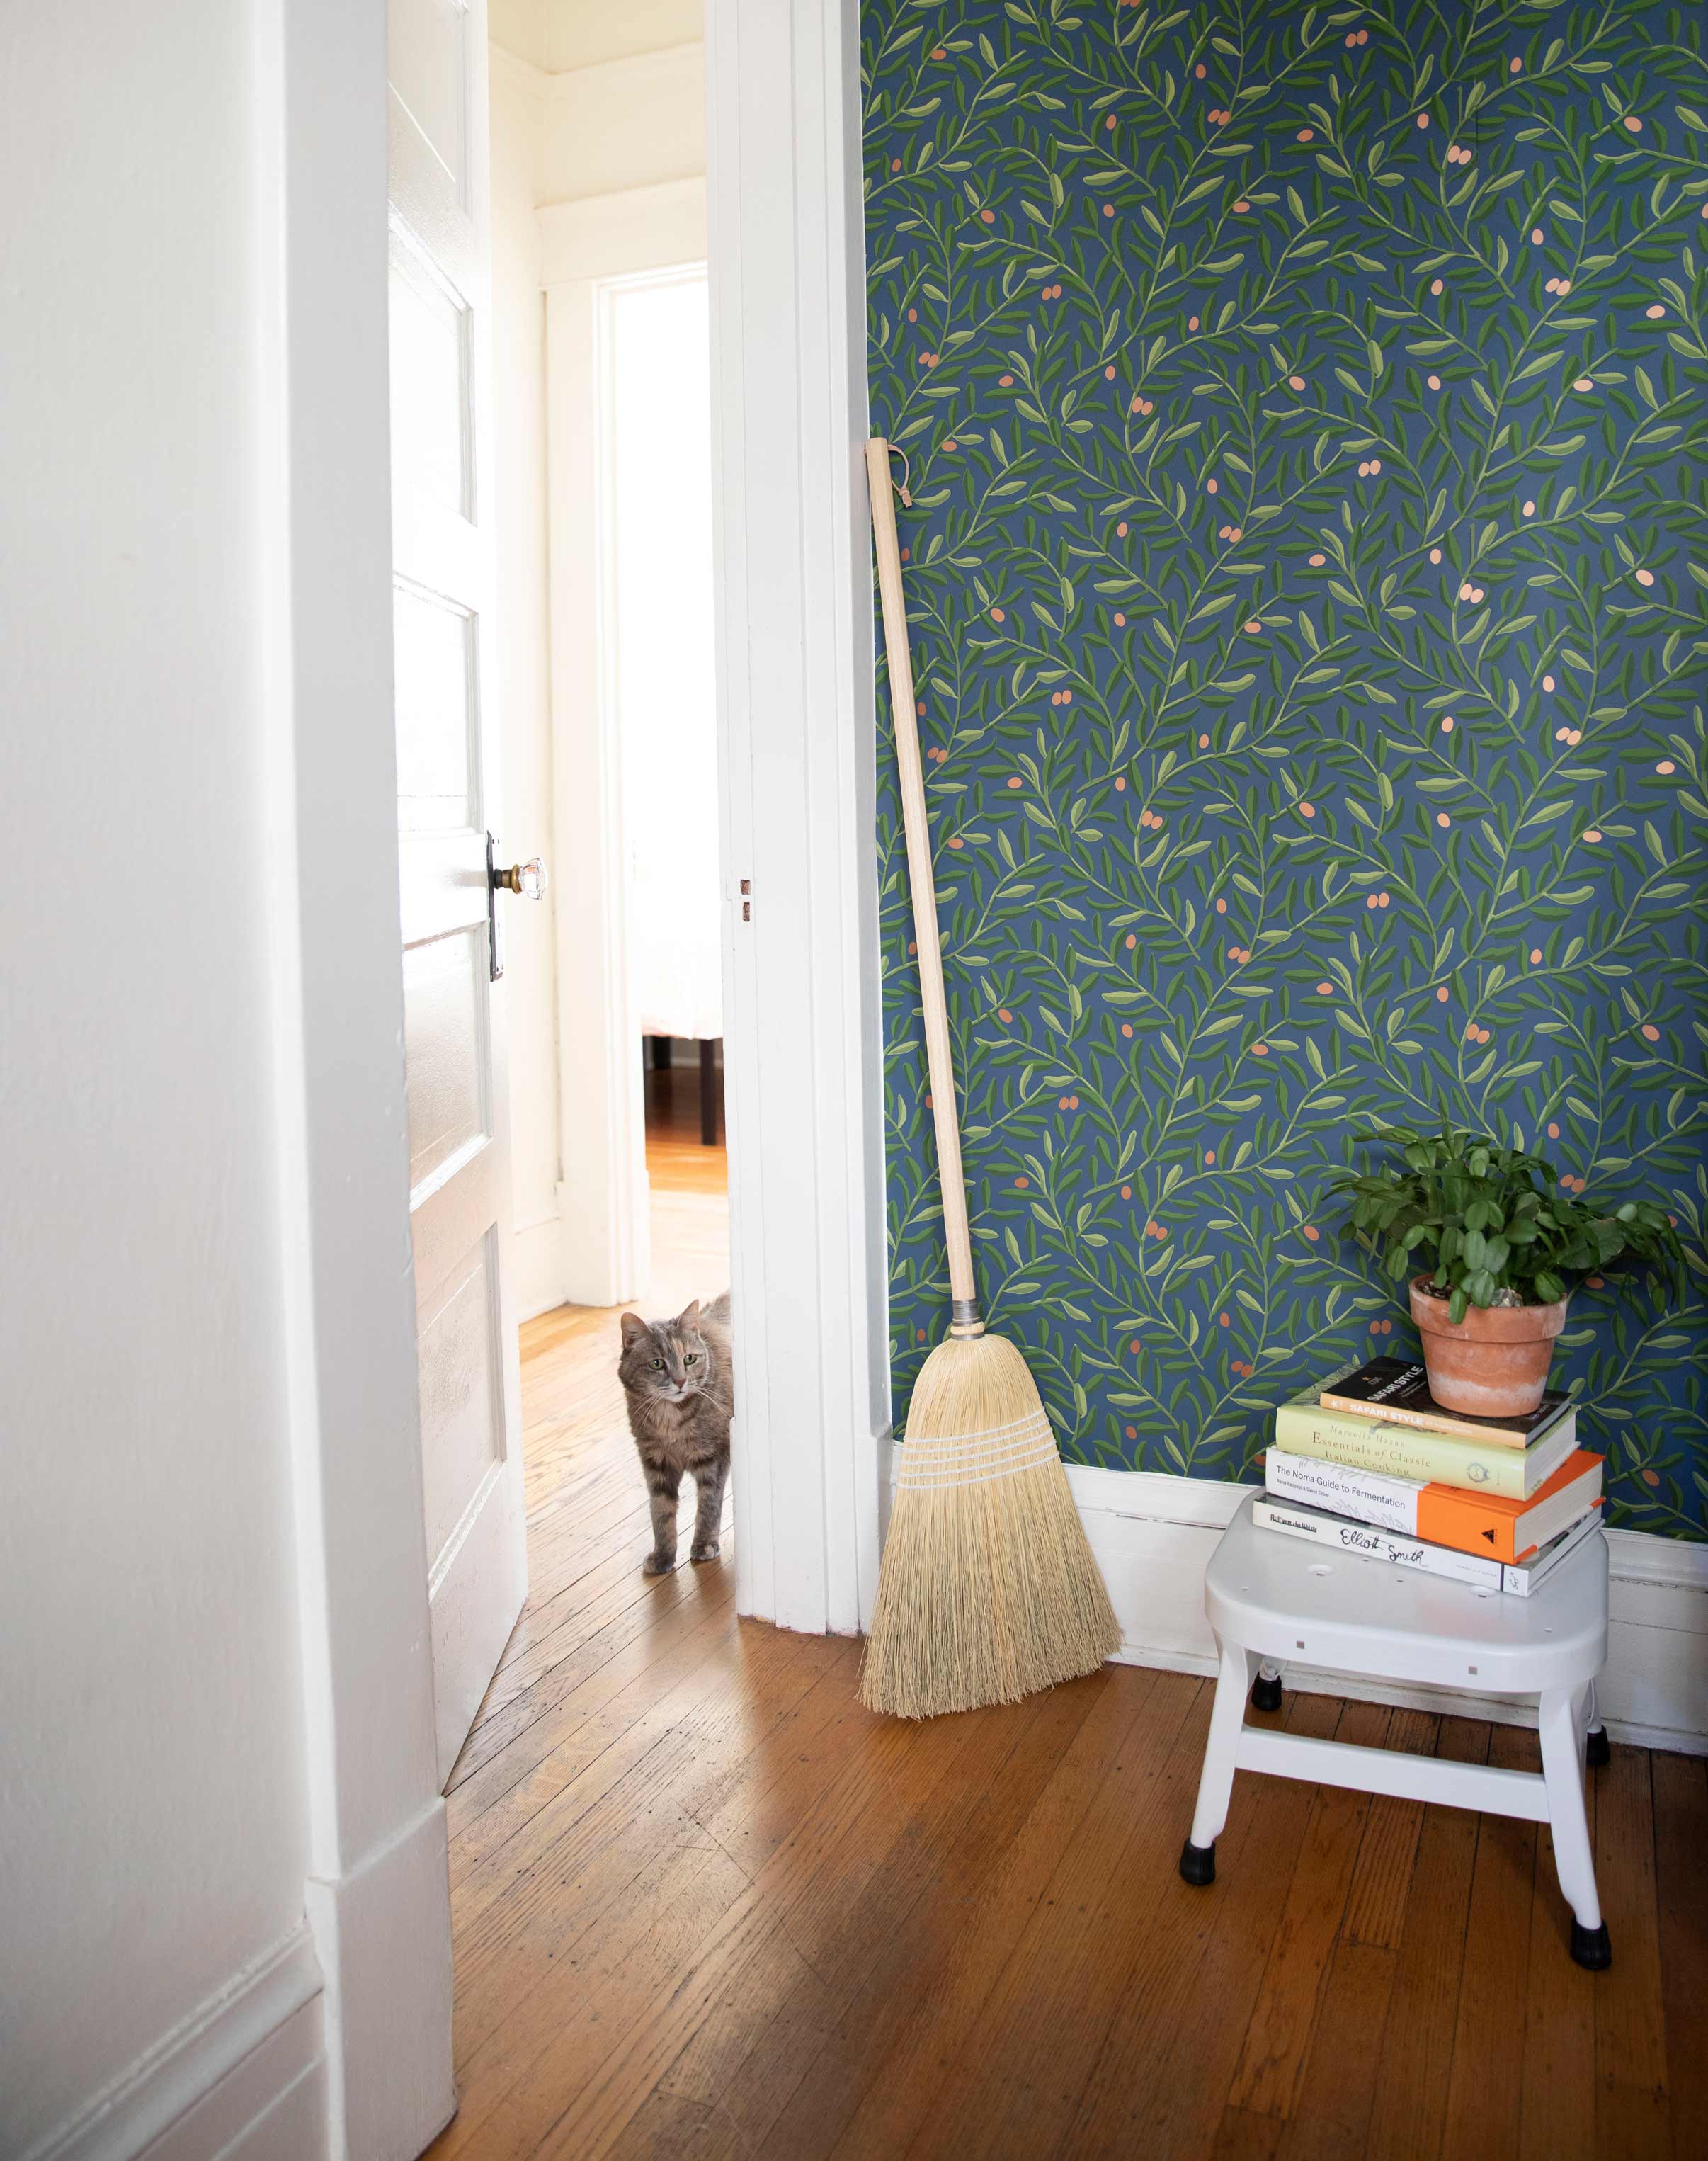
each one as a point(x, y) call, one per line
point(453, 1014)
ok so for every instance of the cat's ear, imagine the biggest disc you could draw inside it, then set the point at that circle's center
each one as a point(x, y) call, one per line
point(633, 1328)
point(689, 1316)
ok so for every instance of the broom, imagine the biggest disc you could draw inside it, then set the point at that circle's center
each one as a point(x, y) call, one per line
point(988, 1589)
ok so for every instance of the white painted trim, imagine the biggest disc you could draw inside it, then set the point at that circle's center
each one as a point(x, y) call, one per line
point(604, 1223)
point(330, 877)
point(537, 1259)
point(244, 2049)
point(520, 72)
point(383, 1931)
point(623, 123)
point(795, 696)
point(614, 236)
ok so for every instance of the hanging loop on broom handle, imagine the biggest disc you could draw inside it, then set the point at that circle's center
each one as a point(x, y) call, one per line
point(940, 1057)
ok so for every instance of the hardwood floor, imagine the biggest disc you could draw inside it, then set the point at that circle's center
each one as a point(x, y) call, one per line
point(705, 1906)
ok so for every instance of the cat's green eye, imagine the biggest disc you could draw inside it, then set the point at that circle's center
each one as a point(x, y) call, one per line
point(693, 1358)
point(658, 1365)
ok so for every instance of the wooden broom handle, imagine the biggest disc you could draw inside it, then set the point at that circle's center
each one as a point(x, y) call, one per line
point(939, 1058)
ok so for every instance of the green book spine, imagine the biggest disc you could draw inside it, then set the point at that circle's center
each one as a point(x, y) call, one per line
point(1399, 1451)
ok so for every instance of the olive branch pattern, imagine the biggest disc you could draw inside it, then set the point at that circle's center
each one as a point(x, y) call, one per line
point(1308, 540)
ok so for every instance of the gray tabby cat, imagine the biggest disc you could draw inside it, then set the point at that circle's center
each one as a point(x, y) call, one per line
point(677, 1377)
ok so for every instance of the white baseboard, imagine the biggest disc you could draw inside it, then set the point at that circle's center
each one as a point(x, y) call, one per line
point(383, 1935)
point(537, 1267)
point(549, 1267)
point(1154, 1536)
point(253, 2055)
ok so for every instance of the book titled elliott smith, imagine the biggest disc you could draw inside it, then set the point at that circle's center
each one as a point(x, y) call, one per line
point(1519, 1580)
point(1445, 1515)
point(1394, 1389)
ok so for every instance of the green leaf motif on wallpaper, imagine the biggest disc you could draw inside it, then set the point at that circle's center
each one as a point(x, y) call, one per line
point(1305, 413)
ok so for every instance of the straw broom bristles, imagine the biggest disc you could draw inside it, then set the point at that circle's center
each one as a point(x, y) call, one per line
point(988, 1588)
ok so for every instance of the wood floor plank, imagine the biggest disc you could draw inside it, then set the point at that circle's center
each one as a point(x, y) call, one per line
point(596, 1985)
point(1336, 2092)
point(1382, 1882)
point(623, 1807)
point(916, 1951)
point(845, 1926)
point(888, 1781)
point(948, 2025)
point(821, 1867)
point(669, 2128)
point(1557, 2120)
point(1267, 2078)
point(1485, 2089)
point(1167, 2062)
point(1415, 2060)
point(1241, 2136)
point(1632, 2110)
point(1012, 2086)
point(1680, 1788)
point(620, 1691)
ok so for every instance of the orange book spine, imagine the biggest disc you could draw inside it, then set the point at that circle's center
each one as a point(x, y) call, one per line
point(1485, 1522)
point(1448, 1515)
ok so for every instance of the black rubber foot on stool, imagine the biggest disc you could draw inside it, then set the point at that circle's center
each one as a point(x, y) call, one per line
point(1198, 1865)
point(1596, 1752)
point(1591, 1947)
point(1266, 1693)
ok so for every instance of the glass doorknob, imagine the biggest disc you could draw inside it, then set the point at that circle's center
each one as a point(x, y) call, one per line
point(528, 879)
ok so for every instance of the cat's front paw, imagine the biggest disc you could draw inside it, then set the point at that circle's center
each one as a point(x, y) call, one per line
point(705, 1549)
point(658, 1564)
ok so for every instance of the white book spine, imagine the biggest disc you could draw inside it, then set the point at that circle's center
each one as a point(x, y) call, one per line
point(1371, 1495)
point(1367, 1538)
point(1530, 1576)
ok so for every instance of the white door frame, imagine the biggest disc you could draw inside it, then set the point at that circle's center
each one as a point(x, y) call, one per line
point(801, 971)
point(588, 249)
point(376, 1892)
point(794, 615)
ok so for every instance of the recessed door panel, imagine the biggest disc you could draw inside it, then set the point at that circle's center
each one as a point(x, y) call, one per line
point(444, 1041)
point(431, 400)
point(463, 1402)
point(428, 59)
point(435, 646)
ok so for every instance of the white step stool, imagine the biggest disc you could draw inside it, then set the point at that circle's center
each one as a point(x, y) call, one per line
point(1272, 1598)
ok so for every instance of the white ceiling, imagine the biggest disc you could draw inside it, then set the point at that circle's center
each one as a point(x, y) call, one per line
point(558, 34)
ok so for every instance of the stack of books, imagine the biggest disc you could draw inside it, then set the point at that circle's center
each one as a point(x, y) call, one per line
point(1369, 1462)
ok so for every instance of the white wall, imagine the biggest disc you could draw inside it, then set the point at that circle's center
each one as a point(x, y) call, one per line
point(587, 100)
point(152, 1840)
point(625, 123)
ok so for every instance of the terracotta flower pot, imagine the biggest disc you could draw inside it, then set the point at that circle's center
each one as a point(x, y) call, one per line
point(1494, 1362)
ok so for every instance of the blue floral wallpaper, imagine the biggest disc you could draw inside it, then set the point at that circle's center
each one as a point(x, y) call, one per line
point(1304, 415)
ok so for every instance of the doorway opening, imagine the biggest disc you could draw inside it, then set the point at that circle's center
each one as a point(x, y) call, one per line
point(583, 391)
